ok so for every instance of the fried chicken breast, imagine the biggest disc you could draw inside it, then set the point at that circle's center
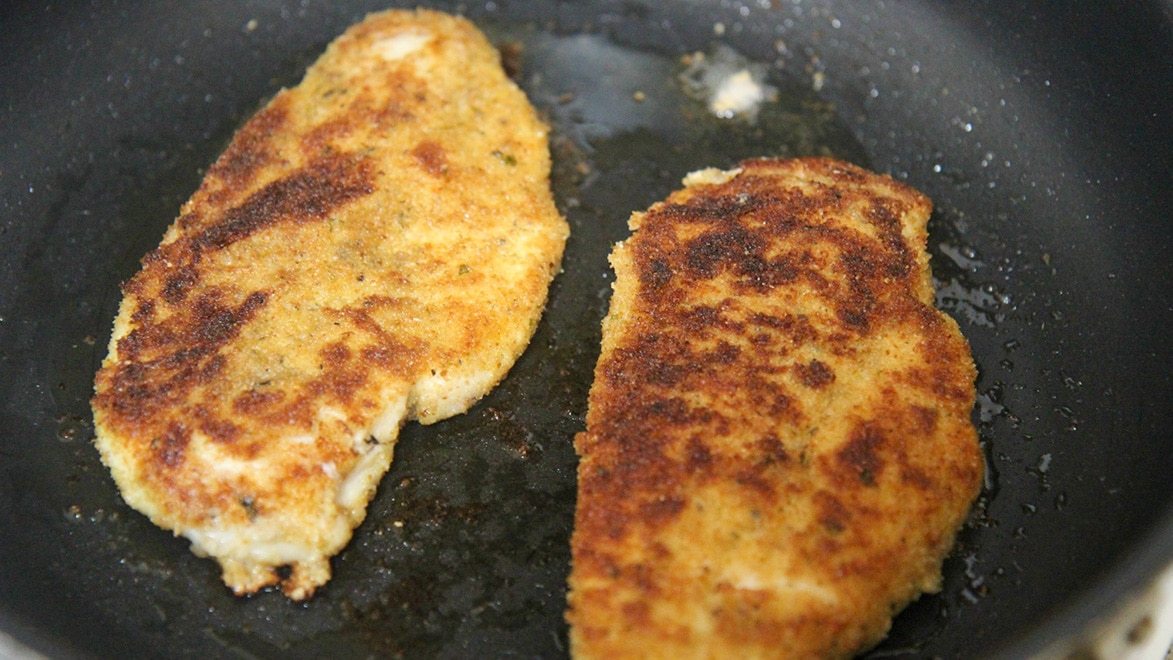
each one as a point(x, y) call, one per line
point(374, 246)
point(778, 450)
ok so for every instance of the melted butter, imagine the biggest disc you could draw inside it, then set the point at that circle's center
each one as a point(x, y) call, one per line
point(730, 85)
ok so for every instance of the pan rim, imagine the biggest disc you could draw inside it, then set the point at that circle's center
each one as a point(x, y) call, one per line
point(1128, 575)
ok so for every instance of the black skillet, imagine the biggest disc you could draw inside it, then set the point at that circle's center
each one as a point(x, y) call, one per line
point(1042, 130)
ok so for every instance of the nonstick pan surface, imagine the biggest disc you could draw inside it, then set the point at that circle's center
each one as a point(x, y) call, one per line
point(1041, 130)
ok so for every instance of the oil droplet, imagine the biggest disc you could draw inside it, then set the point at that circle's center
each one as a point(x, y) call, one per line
point(1040, 471)
point(964, 256)
point(990, 477)
point(980, 305)
point(1069, 415)
point(1044, 464)
point(988, 408)
point(971, 560)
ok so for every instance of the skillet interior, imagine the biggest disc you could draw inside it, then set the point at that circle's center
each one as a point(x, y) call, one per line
point(1042, 132)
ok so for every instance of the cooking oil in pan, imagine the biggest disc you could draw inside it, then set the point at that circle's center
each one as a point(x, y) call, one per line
point(674, 113)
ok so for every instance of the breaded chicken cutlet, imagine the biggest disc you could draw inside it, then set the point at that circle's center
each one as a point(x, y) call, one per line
point(778, 450)
point(374, 246)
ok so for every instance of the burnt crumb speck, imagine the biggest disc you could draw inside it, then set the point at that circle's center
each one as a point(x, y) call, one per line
point(511, 58)
point(512, 435)
point(250, 506)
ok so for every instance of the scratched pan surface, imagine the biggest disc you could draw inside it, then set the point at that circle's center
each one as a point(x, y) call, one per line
point(1041, 130)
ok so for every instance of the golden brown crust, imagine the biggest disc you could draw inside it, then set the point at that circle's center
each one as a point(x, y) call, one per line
point(778, 448)
point(375, 244)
